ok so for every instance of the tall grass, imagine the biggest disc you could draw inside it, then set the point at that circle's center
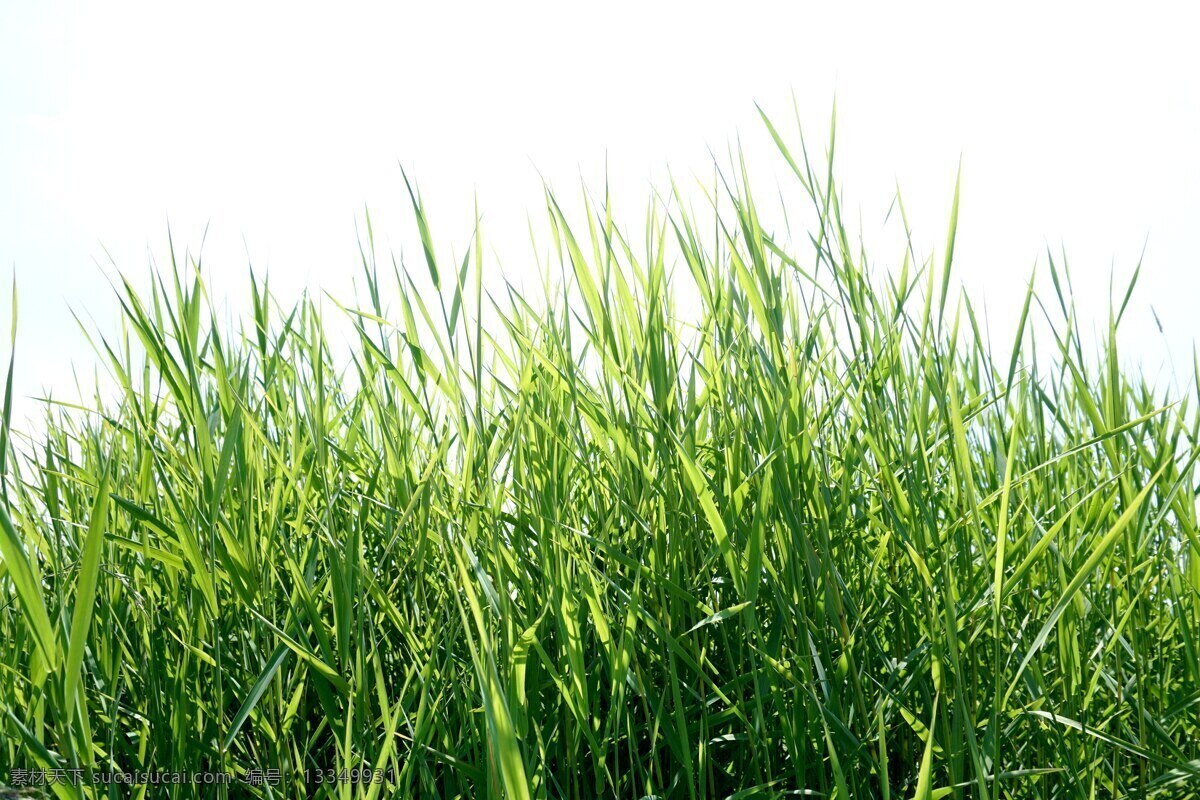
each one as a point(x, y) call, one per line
point(814, 538)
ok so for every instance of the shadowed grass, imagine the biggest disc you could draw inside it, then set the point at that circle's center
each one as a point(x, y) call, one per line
point(809, 538)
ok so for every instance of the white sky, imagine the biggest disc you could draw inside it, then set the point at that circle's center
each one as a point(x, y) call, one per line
point(275, 124)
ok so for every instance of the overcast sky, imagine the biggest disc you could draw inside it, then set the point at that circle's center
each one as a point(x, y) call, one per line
point(276, 124)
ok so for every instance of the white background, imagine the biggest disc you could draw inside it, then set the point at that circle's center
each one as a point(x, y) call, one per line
point(276, 124)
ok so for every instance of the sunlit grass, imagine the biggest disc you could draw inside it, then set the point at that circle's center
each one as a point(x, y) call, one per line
point(813, 537)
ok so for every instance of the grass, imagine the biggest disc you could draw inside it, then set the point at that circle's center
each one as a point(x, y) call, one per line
point(814, 538)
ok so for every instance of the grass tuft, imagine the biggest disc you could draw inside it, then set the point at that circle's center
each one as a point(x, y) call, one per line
point(808, 538)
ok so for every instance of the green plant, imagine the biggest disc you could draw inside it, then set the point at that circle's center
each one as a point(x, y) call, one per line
point(815, 537)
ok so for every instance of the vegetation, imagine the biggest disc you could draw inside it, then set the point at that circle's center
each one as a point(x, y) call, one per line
point(813, 537)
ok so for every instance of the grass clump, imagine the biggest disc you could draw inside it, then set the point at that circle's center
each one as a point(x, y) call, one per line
point(816, 538)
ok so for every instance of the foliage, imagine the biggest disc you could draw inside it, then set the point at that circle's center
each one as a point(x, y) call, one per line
point(812, 536)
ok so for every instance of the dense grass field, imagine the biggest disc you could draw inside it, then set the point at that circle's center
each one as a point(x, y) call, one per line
point(810, 535)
